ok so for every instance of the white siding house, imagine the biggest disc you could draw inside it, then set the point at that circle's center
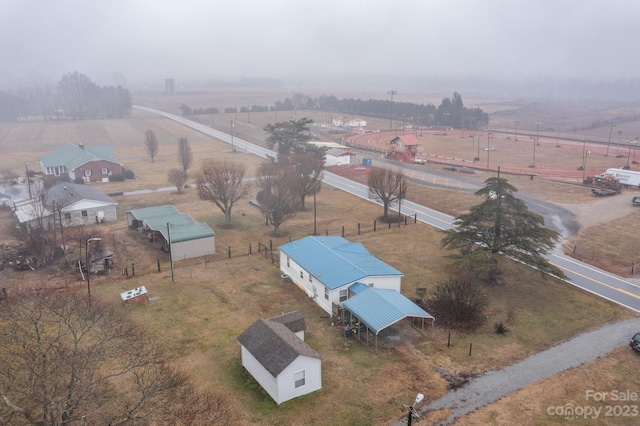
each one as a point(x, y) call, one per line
point(277, 357)
point(325, 267)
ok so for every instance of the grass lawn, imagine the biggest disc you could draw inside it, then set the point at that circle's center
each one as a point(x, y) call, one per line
point(198, 317)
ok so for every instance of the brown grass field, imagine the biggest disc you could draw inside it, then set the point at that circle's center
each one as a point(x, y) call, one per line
point(199, 316)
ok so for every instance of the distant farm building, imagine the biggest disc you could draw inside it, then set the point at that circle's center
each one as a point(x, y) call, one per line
point(90, 163)
point(403, 148)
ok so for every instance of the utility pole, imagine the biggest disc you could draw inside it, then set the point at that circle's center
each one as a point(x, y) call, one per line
point(609, 142)
point(391, 92)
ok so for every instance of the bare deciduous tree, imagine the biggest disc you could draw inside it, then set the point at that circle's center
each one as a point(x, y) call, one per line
point(36, 233)
point(178, 178)
point(387, 186)
point(66, 361)
point(309, 172)
point(221, 182)
point(185, 156)
point(151, 144)
point(279, 197)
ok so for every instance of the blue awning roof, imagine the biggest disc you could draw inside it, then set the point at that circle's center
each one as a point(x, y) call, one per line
point(380, 308)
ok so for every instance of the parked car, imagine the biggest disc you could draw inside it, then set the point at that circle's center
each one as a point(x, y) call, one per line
point(635, 342)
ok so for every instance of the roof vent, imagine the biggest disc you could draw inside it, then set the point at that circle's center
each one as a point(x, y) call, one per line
point(65, 187)
point(81, 145)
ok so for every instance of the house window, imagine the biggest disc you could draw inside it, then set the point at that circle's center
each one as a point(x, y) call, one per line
point(310, 278)
point(301, 274)
point(326, 293)
point(343, 295)
point(67, 216)
point(87, 172)
point(299, 378)
point(288, 266)
point(84, 213)
point(105, 171)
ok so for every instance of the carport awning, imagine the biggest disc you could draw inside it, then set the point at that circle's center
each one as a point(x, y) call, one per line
point(381, 308)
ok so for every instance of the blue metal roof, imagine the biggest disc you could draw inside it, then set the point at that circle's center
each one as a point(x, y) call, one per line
point(335, 261)
point(379, 308)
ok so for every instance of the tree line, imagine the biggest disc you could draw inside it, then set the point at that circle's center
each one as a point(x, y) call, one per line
point(450, 113)
point(75, 97)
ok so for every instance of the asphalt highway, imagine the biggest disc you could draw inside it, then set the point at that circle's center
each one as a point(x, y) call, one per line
point(586, 277)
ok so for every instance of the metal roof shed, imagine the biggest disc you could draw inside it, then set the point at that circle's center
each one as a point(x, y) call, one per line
point(379, 308)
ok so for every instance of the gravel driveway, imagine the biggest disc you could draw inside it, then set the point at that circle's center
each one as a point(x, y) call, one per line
point(493, 385)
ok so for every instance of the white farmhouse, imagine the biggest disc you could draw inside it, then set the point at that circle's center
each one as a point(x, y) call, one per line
point(326, 266)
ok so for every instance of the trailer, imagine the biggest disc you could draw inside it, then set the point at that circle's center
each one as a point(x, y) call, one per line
point(626, 178)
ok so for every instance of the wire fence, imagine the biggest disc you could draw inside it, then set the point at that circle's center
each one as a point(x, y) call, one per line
point(624, 265)
point(70, 277)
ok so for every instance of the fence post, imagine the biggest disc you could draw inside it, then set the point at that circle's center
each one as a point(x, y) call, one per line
point(327, 232)
point(229, 251)
point(389, 225)
point(405, 221)
point(574, 249)
point(342, 231)
point(133, 270)
point(270, 244)
point(470, 345)
point(633, 268)
point(415, 218)
point(375, 222)
point(249, 248)
point(158, 261)
point(358, 228)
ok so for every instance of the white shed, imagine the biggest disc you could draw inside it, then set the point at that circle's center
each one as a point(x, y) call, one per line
point(279, 360)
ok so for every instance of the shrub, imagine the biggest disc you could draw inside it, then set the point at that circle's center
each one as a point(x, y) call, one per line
point(116, 178)
point(79, 181)
point(459, 304)
point(128, 174)
point(500, 328)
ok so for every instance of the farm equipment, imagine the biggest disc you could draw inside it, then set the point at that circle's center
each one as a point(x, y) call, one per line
point(635, 200)
point(607, 184)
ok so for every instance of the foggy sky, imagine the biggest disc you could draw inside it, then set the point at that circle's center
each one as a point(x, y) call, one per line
point(301, 41)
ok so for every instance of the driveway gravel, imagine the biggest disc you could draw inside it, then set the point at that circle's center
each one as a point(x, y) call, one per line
point(494, 385)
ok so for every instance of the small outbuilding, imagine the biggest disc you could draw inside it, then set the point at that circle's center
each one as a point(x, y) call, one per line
point(274, 352)
point(179, 232)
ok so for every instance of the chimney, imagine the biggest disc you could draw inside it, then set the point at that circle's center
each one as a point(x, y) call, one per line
point(81, 145)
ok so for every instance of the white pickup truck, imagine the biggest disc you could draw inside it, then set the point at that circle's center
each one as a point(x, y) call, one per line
point(419, 160)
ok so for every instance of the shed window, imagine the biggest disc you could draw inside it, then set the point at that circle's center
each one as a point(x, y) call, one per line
point(310, 278)
point(343, 295)
point(67, 216)
point(84, 213)
point(288, 265)
point(299, 378)
point(301, 274)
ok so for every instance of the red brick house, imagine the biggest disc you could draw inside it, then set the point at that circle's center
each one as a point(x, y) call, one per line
point(91, 164)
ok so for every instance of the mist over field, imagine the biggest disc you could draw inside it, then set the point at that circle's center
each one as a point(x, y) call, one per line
point(553, 49)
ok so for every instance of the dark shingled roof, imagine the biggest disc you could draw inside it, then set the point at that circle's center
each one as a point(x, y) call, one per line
point(294, 321)
point(274, 345)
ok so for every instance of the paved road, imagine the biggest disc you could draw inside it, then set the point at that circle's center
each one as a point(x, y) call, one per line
point(494, 385)
point(581, 275)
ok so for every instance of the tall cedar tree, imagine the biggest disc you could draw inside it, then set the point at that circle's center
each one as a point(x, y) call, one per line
point(387, 186)
point(500, 225)
point(185, 156)
point(291, 136)
point(151, 144)
point(279, 196)
point(221, 182)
